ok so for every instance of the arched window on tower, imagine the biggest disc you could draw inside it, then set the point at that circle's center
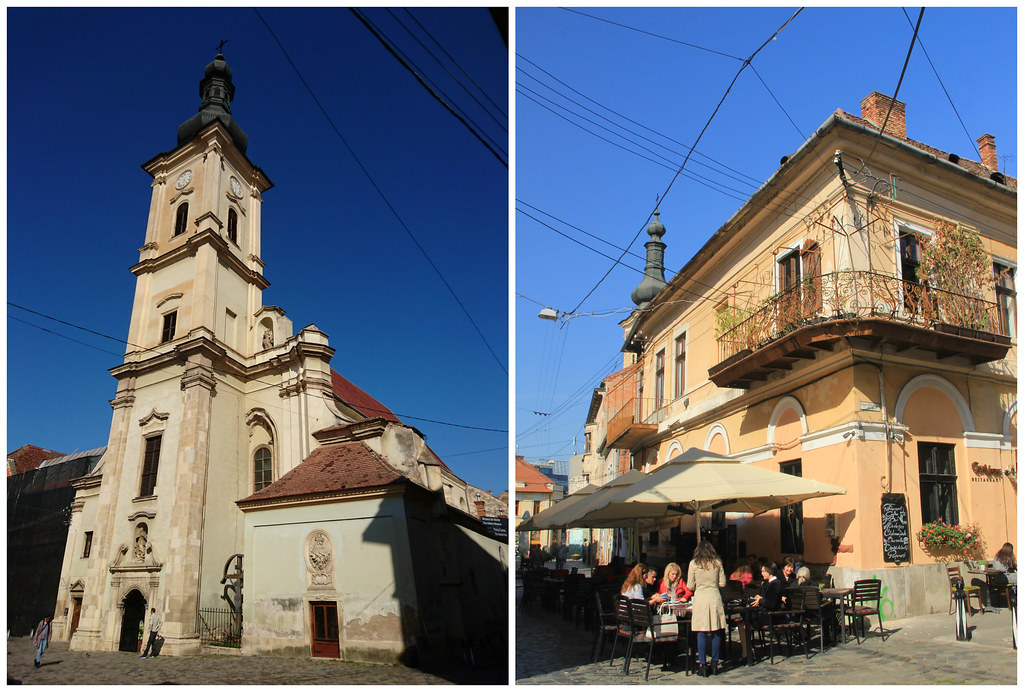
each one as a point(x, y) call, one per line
point(181, 218)
point(263, 468)
point(233, 226)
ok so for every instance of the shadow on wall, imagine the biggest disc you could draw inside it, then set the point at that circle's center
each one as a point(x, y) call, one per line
point(458, 620)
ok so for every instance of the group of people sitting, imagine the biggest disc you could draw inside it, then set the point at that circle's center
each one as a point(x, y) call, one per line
point(702, 587)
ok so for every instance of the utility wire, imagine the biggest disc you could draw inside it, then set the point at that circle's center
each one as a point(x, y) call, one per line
point(948, 98)
point(892, 102)
point(362, 408)
point(649, 33)
point(380, 192)
point(359, 15)
point(498, 108)
point(755, 182)
point(676, 176)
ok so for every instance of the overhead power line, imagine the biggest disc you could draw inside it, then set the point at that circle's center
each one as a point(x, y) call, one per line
point(381, 194)
point(895, 95)
point(362, 408)
point(391, 48)
point(697, 141)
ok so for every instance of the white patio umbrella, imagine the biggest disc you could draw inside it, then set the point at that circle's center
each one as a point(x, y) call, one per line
point(698, 481)
point(541, 521)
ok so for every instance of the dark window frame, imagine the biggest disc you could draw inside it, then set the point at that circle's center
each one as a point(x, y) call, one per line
point(1006, 297)
point(150, 465)
point(181, 219)
point(791, 517)
point(936, 466)
point(87, 548)
point(233, 226)
point(659, 379)
point(263, 469)
point(170, 324)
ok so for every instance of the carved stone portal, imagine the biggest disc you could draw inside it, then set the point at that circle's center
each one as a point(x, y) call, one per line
point(319, 560)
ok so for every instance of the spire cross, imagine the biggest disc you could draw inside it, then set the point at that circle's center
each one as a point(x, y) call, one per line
point(220, 47)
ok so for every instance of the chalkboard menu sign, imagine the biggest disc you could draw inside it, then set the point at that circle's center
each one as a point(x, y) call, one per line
point(496, 526)
point(895, 528)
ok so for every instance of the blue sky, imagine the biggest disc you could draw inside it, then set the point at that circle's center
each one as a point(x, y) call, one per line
point(94, 93)
point(667, 70)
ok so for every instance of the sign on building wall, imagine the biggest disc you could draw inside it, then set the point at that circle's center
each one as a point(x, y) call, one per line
point(895, 528)
point(496, 526)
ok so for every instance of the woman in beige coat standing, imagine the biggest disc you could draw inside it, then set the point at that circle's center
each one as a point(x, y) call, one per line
point(706, 577)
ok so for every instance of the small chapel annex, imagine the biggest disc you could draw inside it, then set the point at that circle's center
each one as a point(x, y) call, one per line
point(242, 474)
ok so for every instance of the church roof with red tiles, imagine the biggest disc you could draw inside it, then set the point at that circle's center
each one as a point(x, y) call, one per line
point(330, 470)
point(28, 457)
point(360, 400)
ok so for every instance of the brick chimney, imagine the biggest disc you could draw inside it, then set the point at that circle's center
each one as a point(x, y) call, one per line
point(874, 107)
point(987, 147)
point(480, 511)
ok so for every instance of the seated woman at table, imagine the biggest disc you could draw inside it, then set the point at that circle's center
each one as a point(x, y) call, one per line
point(743, 575)
point(803, 576)
point(1004, 560)
point(788, 577)
point(672, 585)
point(706, 576)
point(640, 581)
point(770, 598)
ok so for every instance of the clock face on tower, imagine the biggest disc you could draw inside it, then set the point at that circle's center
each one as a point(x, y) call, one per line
point(236, 187)
point(183, 180)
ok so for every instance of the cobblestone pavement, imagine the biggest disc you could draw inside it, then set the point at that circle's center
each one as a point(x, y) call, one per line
point(63, 667)
point(921, 651)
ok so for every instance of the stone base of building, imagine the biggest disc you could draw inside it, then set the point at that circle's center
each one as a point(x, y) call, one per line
point(907, 590)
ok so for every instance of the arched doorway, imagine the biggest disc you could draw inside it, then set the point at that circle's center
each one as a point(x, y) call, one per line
point(131, 621)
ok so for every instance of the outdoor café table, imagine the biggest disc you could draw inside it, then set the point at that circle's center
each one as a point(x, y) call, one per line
point(682, 610)
point(740, 608)
point(839, 595)
point(986, 600)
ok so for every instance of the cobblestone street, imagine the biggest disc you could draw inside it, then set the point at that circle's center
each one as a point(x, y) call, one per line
point(921, 651)
point(63, 667)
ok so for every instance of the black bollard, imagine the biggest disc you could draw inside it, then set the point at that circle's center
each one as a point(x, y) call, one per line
point(960, 599)
point(1011, 604)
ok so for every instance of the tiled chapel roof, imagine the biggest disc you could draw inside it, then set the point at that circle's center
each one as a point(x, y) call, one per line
point(329, 470)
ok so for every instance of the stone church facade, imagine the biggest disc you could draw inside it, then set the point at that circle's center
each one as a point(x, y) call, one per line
point(218, 399)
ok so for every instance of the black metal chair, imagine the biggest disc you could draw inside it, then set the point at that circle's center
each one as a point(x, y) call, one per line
point(623, 627)
point(606, 626)
point(646, 631)
point(865, 592)
point(773, 624)
point(816, 614)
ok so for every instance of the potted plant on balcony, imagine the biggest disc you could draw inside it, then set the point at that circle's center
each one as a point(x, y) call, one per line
point(957, 269)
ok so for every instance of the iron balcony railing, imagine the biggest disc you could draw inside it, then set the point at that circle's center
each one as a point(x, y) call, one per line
point(849, 295)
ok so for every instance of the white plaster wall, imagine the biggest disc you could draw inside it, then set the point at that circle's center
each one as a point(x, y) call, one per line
point(373, 578)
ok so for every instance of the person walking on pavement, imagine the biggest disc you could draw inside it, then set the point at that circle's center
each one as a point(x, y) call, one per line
point(155, 623)
point(41, 638)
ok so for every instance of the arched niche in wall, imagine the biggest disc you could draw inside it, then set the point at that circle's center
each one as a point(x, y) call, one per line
point(787, 422)
point(717, 440)
point(932, 406)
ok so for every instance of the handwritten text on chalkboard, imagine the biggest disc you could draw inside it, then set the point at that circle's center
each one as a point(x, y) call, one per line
point(895, 528)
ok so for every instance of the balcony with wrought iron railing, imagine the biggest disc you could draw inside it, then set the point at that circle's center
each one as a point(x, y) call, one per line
point(821, 310)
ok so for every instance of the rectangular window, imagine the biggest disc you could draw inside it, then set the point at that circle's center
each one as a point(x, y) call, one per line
point(587, 437)
point(170, 321)
point(789, 299)
point(910, 264)
point(87, 550)
point(150, 463)
point(659, 379)
point(937, 468)
point(680, 365)
point(1006, 298)
point(792, 516)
